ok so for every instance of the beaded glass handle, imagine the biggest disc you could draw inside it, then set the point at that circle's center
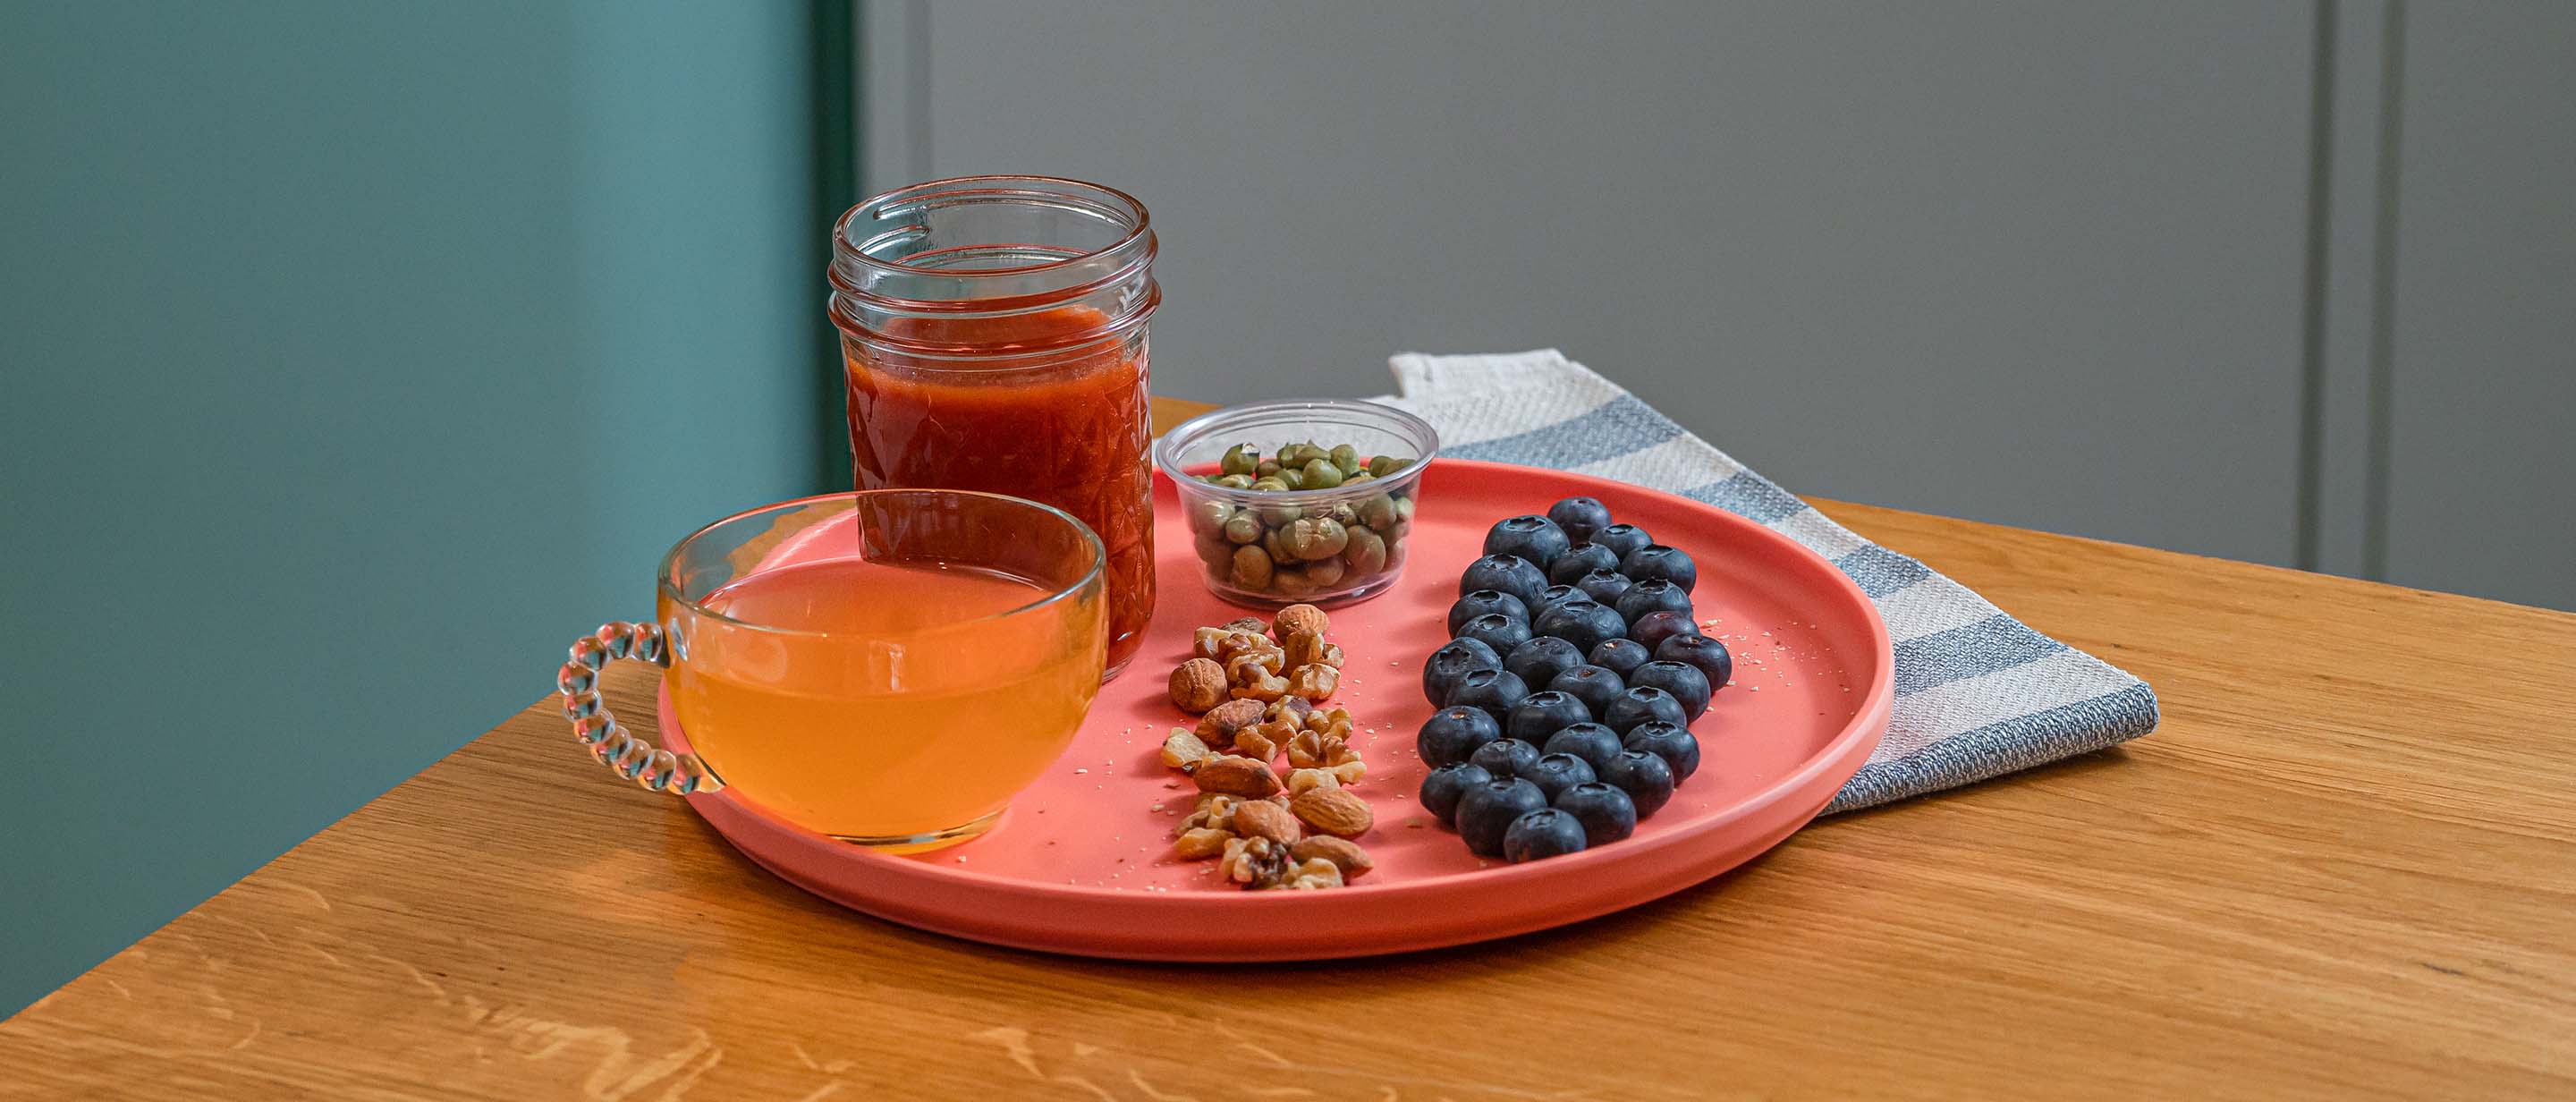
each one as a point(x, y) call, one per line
point(621, 750)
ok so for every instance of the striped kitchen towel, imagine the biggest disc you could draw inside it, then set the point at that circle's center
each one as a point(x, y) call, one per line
point(1978, 694)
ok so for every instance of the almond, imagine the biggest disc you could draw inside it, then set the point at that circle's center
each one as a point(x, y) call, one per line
point(1239, 776)
point(1264, 819)
point(1345, 854)
point(1218, 727)
point(1335, 811)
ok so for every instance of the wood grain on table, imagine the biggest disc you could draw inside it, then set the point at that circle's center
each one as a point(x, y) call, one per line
point(2345, 868)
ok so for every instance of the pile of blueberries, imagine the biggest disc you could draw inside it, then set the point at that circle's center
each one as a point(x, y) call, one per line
point(1567, 688)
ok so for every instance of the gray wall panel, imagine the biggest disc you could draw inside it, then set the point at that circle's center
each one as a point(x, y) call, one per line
point(2038, 264)
point(2483, 364)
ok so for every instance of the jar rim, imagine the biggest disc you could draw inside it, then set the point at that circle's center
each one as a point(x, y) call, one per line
point(864, 284)
point(1127, 207)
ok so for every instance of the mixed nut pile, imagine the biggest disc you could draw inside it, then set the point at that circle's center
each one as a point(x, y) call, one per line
point(1259, 692)
point(1303, 550)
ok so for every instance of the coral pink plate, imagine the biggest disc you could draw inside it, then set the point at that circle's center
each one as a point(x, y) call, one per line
point(1082, 864)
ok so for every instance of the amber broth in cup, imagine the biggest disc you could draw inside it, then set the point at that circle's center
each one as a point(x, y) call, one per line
point(904, 700)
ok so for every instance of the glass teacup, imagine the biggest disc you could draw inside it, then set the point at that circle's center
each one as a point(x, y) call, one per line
point(887, 667)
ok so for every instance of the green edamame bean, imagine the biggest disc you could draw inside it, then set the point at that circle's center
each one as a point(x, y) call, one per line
point(1293, 478)
point(1243, 527)
point(1321, 474)
point(1252, 569)
point(1384, 465)
point(1265, 468)
point(1347, 458)
point(1378, 512)
point(1215, 552)
point(1315, 538)
point(1270, 485)
point(1240, 459)
point(1366, 553)
point(1325, 573)
point(1235, 482)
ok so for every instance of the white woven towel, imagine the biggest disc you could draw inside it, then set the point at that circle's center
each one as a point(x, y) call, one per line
point(1977, 693)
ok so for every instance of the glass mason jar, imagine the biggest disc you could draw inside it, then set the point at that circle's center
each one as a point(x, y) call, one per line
point(994, 333)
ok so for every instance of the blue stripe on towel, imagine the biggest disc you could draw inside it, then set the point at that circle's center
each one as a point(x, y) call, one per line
point(1881, 571)
point(1750, 496)
point(1991, 645)
point(2003, 746)
point(1615, 428)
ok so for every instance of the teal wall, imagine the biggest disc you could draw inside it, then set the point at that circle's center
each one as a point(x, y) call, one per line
point(357, 357)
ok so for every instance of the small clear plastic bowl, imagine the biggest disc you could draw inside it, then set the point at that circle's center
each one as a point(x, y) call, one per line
point(1372, 518)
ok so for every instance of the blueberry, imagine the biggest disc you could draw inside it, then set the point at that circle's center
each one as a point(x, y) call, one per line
point(1604, 586)
point(1653, 595)
point(1486, 810)
point(1508, 573)
point(1544, 713)
point(1495, 691)
point(1592, 742)
point(1540, 660)
point(1651, 629)
point(1606, 813)
point(1620, 656)
point(1451, 734)
point(1594, 686)
point(1497, 630)
point(1541, 834)
point(1641, 705)
point(1483, 601)
point(1681, 679)
point(1669, 742)
point(1554, 773)
point(1580, 516)
point(1701, 651)
point(1440, 672)
point(1553, 596)
point(1584, 559)
point(1440, 790)
point(1659, 561)
point(1505, 757)
point(1643, 776)
point(1529, 536)
point(1622, 538)
point(1583, 622)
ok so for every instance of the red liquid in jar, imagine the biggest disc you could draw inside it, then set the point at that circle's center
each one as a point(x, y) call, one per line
point(1072, 434)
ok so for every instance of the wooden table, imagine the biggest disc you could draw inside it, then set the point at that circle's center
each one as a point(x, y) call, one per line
point(2345, 868)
